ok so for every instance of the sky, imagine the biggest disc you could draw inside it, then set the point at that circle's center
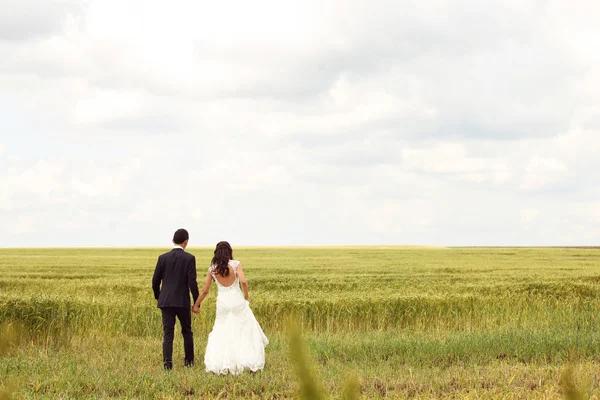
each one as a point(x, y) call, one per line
point(355, 122)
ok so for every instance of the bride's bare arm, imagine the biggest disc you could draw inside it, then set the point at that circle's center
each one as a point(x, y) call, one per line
point(242, 278)
point(203, 292)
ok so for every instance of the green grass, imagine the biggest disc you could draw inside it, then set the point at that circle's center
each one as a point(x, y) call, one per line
point(405, 322)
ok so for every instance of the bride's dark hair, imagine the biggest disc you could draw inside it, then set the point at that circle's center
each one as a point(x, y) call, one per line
point(223, 253)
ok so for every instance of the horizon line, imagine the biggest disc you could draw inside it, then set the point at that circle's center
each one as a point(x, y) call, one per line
point(307, 246)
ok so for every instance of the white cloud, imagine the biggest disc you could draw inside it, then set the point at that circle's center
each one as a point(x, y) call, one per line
point(25, 225)
point(300, 122)
point(542, 172)
point(529, 215)
point(106, 105)
point(33, 19)
point(586, 211)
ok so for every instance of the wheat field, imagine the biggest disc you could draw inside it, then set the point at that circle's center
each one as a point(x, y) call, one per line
point(395, 322)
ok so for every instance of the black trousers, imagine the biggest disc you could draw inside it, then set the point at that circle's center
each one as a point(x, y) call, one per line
point(185, 319)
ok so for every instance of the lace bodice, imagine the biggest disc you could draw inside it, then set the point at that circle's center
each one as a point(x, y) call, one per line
point(234, 264)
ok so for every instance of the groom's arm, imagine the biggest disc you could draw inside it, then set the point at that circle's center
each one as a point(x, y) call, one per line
point(157, 278)
point(193, 284)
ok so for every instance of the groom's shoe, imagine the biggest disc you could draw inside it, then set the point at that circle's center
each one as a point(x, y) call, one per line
point(188, 363)
point(168, 365)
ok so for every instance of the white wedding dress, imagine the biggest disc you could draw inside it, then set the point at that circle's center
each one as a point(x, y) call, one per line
point(237, 341)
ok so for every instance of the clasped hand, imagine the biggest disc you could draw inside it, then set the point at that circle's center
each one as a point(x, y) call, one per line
point(196, 309)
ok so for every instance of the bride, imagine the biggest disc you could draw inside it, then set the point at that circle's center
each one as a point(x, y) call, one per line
point(237, 341)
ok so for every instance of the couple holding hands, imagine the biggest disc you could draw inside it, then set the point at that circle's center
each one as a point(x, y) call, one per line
point(236, 341)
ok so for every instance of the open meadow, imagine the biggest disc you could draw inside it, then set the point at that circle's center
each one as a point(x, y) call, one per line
point(404, 322)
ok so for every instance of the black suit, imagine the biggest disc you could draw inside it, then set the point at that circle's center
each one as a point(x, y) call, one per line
point(177, 272)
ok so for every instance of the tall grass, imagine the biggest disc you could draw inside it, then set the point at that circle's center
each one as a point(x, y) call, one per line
point(51, 316)
point(570, 388)
point(9, 338)
point(310, 387)
point(5, 394)
point(364, 311)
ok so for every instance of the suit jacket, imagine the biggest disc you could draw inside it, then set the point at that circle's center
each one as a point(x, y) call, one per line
point(177, 272)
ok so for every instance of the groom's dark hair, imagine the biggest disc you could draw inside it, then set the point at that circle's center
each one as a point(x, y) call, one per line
point(180, 236)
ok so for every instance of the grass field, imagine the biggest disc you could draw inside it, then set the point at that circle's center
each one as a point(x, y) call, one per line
point(405, 322)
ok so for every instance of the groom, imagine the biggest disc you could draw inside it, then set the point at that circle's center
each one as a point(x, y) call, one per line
point(177, 272)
